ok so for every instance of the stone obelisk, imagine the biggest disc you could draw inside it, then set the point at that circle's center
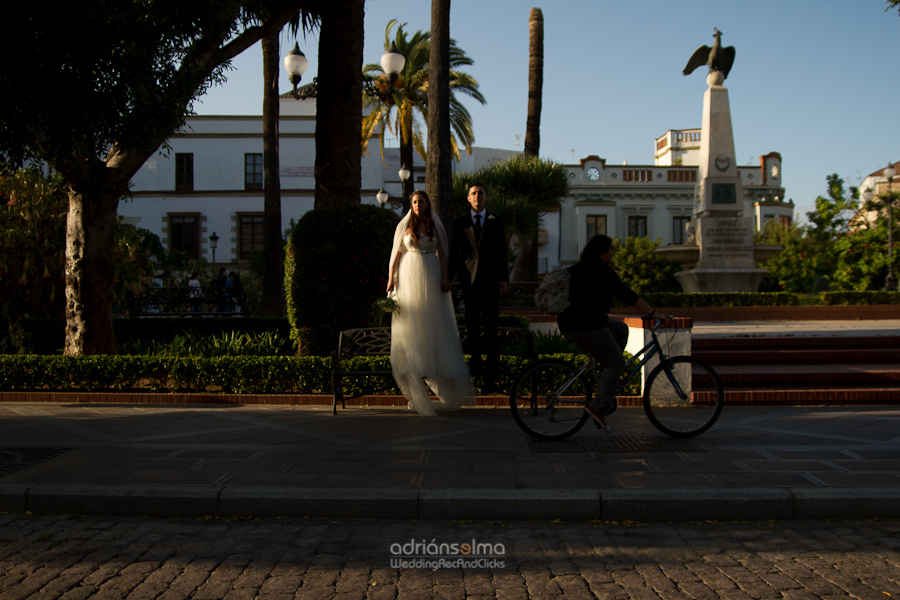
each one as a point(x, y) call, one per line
point(723, 226)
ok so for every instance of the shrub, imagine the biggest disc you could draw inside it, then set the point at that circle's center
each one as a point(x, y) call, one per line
point(336, 264)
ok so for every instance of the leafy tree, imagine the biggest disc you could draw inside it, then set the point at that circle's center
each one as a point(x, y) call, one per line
point(125, 94)
point(32, 248)
point(847, 251)
point(402, 114)
point(642, 268)
point(792, 269)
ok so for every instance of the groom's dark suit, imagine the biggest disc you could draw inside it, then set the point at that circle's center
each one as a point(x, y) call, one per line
point(481, 294)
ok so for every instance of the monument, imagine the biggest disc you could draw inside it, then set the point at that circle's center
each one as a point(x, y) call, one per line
point(719, 255)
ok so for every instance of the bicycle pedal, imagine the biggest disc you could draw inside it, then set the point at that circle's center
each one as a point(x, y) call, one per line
point(603, 428)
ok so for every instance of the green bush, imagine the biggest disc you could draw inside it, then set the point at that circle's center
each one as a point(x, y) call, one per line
point(336, 264)
point(229, 375)
point(47, 336)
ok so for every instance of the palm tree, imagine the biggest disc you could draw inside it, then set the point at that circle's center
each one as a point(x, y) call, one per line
point(410, 98)
point(526, 265)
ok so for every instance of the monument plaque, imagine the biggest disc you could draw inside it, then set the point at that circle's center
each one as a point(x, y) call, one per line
point(726, 239)
point(724, 193)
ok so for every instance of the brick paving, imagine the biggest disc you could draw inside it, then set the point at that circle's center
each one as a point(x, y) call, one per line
point(71, 557)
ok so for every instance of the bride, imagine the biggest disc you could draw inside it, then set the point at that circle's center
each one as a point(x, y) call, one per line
point(424, 339)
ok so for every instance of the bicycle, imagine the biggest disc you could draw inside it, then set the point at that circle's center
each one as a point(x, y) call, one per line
point(682, 397)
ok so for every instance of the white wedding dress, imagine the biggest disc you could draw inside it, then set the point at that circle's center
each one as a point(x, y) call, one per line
point(424, 338)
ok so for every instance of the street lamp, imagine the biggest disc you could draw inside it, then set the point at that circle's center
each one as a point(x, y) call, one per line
point(213, 244)
point(382, 197)
point(295, 64)
point(404, 175)
point(890, 282)
point(392, 62)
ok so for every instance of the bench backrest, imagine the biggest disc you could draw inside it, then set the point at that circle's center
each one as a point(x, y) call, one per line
point(376, 341)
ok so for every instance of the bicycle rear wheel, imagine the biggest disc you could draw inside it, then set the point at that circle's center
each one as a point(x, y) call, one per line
point(543, 406)
point(691, 414)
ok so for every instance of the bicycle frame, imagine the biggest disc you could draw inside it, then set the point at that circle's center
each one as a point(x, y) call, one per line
point(633, 365)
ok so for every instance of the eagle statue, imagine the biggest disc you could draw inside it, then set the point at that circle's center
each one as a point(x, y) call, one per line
point(716, 58)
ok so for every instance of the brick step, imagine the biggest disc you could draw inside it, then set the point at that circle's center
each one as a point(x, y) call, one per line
point(784, 343)
point(807, 397)
point(781, 375)
point(798, 356)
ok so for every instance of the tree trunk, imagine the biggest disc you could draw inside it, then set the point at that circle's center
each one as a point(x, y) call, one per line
point(439, 175)
point(406, 158)
point(339, 104)
point(273, 261)
point(90, 228)
point(535, 82)
point(526, 265)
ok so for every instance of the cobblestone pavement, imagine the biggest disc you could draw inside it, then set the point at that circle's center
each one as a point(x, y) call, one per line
point(75, 557)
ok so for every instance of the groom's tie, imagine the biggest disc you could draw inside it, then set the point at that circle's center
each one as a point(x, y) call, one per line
point(478, 225)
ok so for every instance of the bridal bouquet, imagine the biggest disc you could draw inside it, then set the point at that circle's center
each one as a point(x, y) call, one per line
point(389, 304)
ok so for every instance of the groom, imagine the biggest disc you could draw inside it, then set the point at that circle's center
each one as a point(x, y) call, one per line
point(478, 253)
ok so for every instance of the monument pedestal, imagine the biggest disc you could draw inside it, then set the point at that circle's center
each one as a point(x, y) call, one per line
point(724, 259)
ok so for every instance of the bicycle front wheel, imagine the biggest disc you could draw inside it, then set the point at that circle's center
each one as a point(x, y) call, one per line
point(687, 404)
point(548, 401)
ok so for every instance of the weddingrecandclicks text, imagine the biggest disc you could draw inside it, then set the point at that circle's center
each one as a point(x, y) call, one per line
point(447, 555)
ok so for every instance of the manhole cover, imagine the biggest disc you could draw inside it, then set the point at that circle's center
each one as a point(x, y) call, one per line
point(16, 458)
point(614, 443)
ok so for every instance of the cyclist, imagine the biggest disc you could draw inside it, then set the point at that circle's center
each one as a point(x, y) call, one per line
point(592, 285)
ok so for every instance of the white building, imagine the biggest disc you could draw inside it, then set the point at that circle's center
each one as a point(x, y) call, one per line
point(210, 181)
point(655, 201)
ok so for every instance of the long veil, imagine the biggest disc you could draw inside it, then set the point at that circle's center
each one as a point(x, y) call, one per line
point(424, 337)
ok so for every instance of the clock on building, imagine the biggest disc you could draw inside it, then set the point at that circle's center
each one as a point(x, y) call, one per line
point(722, 162)
point(593, 174)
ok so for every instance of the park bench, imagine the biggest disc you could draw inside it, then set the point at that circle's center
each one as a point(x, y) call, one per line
point(376, 341)
point(179, 302)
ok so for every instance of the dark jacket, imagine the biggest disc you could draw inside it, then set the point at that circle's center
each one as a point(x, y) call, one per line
point(493, 260)
point(592, 286)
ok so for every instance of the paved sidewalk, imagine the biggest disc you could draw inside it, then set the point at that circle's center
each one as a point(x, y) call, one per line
point(756, 463)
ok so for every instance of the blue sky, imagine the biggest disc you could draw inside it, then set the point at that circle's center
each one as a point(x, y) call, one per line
point(817, 81)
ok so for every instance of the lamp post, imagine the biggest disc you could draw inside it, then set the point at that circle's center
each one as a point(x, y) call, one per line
point(382, 197)
point(404, 176)
point(213, 244)
point(890, 282)
point(392, 62)
point(295, 64)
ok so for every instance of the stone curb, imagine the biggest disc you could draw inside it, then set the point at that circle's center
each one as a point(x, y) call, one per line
point(677, 504)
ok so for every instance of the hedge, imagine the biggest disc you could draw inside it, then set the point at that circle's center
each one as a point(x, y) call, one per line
point(228, 375)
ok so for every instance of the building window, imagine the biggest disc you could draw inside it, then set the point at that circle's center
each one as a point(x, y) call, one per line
point(637, 226)
point(785, 221)
point(678, 229)
point(680, 176)
point(184, 234)
point(184, 172)
point(253, 172)
point(250, 235)
point(596, 224)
